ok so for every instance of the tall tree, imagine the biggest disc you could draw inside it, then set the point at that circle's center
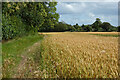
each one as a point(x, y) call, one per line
point(52, 17)
point(60, 26)
point(96, 24)
point(77, 27)
point(33, 15)
point(106, 26)
point(118, 28)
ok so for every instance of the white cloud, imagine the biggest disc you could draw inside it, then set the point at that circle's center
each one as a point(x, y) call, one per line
point(66, 7)
point(70, 7)
point(87, 12)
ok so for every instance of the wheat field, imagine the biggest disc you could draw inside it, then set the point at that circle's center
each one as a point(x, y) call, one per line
point(79, 55)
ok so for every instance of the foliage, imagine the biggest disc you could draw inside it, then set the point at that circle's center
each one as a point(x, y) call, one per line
point(28, 17)
point(52, 17)
point(33, 15)
point(77, 27)
point(86, 28)
point(20, 18)
point(96, 24)
point(106, 26)
point(118, 28)
point(12, 26)
point(60, 27)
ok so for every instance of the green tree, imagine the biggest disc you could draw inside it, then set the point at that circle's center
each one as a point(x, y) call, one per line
point(86, 28)
point(106, 26)
point(12, 24)
point(60, 27)
point(33, 15)
point(77, 27)
point(52, 17)
point(118, 28)
point(113, 28)
point(96, 25)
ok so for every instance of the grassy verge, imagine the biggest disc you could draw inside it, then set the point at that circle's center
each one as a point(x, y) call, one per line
point(12, 50)
point(107, 35)
point(37, 63)
point(0, 60)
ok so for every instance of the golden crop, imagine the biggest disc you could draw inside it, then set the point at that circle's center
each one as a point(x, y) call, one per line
point(79, 55)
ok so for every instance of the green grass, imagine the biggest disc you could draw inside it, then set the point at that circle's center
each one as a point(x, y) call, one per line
point(0, 53)
point(0, 60)
point(107, 35)
point(12, 50)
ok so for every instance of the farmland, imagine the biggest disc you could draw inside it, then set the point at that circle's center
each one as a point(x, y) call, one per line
point(68, 55)
point(81, 55)
point(45, 40)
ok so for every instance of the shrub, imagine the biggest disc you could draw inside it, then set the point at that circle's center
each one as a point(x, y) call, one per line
point(12, 26)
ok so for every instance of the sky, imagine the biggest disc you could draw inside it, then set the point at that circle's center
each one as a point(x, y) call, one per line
point(84, 12)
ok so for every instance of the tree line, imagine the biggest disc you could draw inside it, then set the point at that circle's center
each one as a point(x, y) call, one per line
point(24, 18)
point(97, 26)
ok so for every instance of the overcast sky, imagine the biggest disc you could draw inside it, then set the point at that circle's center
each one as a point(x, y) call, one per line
point(73, 12)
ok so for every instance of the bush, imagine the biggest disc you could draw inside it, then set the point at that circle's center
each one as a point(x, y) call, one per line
point(60, 27)
point(12, 26)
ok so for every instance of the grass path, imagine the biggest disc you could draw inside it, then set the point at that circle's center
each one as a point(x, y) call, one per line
point(15, 52)
point(0, 60)
point(29, 66)
point(20, 70)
